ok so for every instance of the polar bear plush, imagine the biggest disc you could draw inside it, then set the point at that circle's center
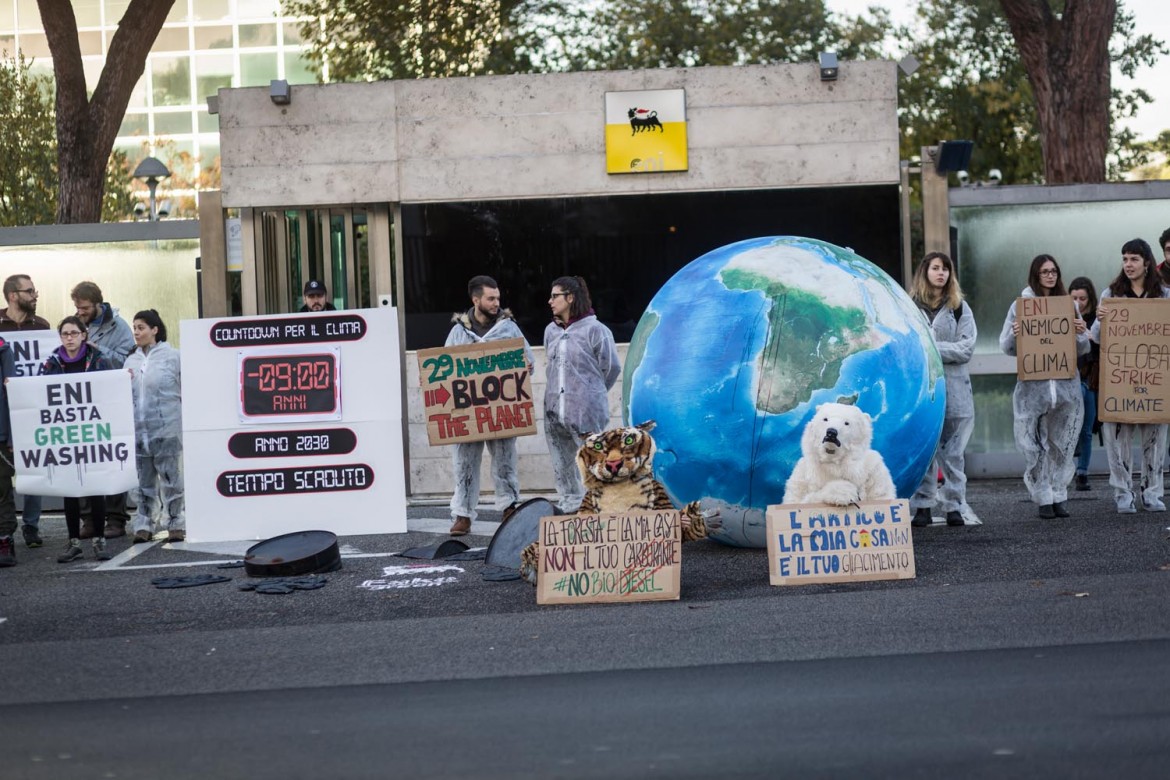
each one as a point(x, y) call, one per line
point(837, 466)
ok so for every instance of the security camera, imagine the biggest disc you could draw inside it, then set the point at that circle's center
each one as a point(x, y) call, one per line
point(139, 209)
point(995, 176)
point(964, 178)
point(164, 209)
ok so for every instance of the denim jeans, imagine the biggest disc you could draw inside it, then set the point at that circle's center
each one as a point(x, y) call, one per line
point(1086, 440)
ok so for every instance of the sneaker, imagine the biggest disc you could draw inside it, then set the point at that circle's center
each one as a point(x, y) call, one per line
point(922, 518)
point(1047, 512)
point(1083, 482)
point(72, 552)
point(461, 527)
point(178, 535)
point(99, 549)
point(87, 530)
point(955, 518)
point(509, 509)
point(1151, 506)
point(142, 537)
point(32, 537)
point(1060, 509)
point(7, 552)
point(114, 529)
point(1125, 504)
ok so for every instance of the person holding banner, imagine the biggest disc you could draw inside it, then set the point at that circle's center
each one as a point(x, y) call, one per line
point(21, 296)
point(582, 364)
point(1084, 294)
point(76, 356)
point(155, 377)
point(1139, 278)
point(1048, 412)
point(936, 291)
point(484, 321)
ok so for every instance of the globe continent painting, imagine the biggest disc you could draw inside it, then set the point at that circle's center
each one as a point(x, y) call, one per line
point(738, 348)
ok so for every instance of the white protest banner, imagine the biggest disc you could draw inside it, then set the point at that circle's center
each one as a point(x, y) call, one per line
point(30, 349)
point(73, 434)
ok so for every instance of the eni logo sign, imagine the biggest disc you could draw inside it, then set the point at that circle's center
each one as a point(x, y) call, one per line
point(646, 131)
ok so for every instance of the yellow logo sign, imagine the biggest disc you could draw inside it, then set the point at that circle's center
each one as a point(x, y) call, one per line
point(645, 131)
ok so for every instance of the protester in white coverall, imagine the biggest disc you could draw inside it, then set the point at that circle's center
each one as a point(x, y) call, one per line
point(1048, 412)
point(158, 428)
point(1139, 278)
point(484, 321)
point(936, 291)
point(581, 366)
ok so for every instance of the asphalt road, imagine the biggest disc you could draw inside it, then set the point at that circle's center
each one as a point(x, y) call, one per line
point(1024, 647)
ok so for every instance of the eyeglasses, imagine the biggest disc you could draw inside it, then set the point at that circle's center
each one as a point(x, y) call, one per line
point(71, 334)
point(553, 295)
point(1050, 272)
point(31, 291)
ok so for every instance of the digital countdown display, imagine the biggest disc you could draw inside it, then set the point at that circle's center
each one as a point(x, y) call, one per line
point(290, 388)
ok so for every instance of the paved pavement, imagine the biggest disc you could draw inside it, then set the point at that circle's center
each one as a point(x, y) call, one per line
point(87, 632)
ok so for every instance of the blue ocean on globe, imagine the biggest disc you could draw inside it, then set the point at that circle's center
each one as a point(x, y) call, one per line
point(738, 348)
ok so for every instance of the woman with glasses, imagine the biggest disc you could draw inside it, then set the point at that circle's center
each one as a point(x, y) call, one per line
point(581, 365)
point(156, 380)
point(74, 356)
point(1048, 412)
point(1139, 278)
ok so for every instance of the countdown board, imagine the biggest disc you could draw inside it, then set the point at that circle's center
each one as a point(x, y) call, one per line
point(293, 422)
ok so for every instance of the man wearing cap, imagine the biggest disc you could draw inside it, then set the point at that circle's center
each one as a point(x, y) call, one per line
point(316, 297)
point(484, 321)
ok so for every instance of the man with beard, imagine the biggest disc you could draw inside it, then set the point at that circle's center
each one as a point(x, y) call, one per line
point(109, 333)
point(315, 297)
point(484, 321)
point(21, 314)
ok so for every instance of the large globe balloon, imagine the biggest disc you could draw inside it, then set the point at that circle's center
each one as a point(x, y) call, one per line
point(738, 348)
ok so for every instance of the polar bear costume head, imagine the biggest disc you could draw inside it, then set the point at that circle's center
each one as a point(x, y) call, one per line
point(836, 433)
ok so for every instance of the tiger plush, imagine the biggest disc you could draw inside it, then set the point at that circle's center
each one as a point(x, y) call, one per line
point(617, 467)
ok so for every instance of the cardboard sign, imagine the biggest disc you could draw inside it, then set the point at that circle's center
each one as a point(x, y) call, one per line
point(1047, 345)
point(1135, 361)
point(476, 392)
point(588, 559)
point(816, 544)
point(73, 434)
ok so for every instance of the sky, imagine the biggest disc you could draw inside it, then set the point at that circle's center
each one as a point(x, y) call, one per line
point(1151, 16)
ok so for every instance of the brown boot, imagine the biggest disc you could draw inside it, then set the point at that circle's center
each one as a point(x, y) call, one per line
point(87, 530)
point(462, 526)
point(176, 536)
point(115, 528)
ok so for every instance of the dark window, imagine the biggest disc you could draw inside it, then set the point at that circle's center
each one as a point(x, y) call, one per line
point(625, 247)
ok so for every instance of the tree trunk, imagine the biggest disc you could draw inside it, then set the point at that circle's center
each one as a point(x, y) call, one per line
point(1068, 65)
point(87, 127)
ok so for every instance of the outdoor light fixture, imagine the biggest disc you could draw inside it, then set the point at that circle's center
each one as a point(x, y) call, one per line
point(213, 104)
point(278, 90)
point(152, 170)
point(953, 156)
point(828, 66)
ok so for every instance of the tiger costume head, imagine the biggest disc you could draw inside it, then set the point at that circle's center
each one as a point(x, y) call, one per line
point(618, 455)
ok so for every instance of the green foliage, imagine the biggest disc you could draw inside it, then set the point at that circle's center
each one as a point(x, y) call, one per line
point(28, 146)
point(972, 85)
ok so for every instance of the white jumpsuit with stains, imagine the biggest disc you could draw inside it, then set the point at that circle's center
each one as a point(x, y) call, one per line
point(1048, 416)
point(158, 430)
point(467, 457)
point(1119, 439)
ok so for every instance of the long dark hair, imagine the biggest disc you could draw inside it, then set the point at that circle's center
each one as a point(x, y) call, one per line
point(923, 292)
point(152, 320)
point(581, 304)
point(1084, 283)
point(1121, 287)
point(1034, 277)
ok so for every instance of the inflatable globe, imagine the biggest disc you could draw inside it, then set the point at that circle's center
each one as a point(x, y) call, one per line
point(738, 348)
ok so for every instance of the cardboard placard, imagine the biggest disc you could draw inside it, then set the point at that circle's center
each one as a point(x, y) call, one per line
point(476, 392)
point(590, 559)
point(1135, 361)
point(810, 543)
point(1047, 345)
